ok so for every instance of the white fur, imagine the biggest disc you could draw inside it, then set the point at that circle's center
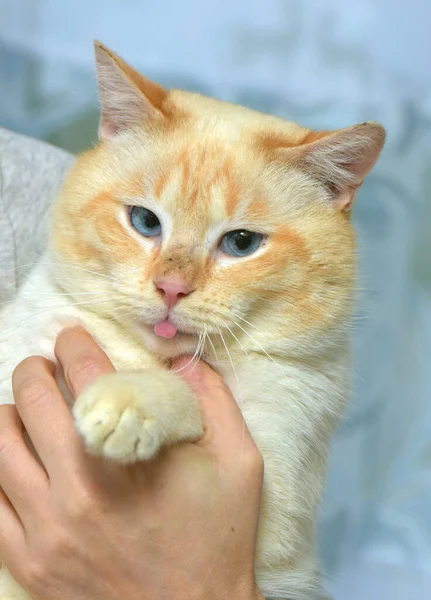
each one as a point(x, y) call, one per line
point(292, 399)
point(290, 407)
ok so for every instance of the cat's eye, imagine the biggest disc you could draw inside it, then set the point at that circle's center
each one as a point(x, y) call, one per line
point(145, 221)
point(241, 242)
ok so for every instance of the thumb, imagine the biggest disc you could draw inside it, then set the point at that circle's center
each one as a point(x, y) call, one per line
point(225, 428)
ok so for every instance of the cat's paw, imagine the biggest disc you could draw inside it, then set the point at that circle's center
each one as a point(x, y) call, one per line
point(130, 416)
point(112, 418)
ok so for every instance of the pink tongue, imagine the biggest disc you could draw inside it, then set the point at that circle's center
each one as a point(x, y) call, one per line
point(165, 329)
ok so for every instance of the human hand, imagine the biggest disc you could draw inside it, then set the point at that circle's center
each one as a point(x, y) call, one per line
point(181, 526)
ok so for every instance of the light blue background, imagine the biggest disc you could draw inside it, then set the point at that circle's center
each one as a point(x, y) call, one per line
point(323, 63)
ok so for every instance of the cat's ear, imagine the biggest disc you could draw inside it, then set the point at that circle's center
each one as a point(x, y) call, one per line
point(126, 97)
point(341, 160)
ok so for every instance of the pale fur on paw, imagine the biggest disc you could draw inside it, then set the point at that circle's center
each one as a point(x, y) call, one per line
point(129, 416)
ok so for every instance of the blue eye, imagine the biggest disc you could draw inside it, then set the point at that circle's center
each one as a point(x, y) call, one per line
point(145, 221)
point(241, 242)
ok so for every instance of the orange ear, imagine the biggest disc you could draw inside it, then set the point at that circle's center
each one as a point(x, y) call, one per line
point(341, 160)
point(126, 97)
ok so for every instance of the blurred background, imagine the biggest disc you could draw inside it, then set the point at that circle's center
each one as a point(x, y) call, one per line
point(324, 64)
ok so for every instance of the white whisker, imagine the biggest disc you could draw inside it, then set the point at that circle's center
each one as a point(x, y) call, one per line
point(62, 294)
point(50, 263)
point(192, 358)
point(255, 341)
point(212, 346)
point(244, 320)
point(58, 307)
point(103, 275)
point(121, 315)
point(229, 356)
point(202, 346)
point(235, 338)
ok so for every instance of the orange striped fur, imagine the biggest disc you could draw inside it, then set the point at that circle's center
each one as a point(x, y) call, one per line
point(217, 166)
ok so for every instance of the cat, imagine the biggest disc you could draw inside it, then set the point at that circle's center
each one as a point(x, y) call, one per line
point(197, 226)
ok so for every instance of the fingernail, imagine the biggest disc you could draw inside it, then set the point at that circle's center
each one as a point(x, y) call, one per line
point(75, 329)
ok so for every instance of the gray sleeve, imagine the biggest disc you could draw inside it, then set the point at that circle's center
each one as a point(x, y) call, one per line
point(30, 176)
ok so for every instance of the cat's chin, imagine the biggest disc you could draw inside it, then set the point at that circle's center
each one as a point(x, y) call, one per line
point(181, 343)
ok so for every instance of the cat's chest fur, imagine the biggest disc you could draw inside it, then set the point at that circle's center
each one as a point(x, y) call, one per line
point(290, 407)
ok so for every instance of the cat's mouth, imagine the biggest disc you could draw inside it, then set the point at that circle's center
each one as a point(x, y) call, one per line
point(168, 330)
point(165, 329)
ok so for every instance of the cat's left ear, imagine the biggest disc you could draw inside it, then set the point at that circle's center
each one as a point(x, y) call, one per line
point(126, 97)
point(341, 159)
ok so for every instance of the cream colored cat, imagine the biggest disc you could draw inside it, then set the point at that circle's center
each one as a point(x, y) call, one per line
point(200, 227)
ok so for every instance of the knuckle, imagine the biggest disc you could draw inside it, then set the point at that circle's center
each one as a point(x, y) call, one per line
point(83, 369)
point(36, 574)
point(61, 542)
point(33, 391)
point(8, 445)
point(81, 504)
point(54, 545)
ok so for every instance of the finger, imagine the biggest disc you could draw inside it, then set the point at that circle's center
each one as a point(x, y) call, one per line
point(225, 428)
point(46, 417)
point(22, 478)
point(11, 531)
point(81, 358)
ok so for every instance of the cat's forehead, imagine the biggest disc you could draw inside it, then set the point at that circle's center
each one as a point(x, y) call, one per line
point(213, 181)
point(199, 179)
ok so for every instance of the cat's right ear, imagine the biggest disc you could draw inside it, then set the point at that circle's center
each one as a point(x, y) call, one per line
point(126, 97)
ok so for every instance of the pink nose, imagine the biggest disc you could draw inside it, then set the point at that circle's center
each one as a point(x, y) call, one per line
point(172, 288)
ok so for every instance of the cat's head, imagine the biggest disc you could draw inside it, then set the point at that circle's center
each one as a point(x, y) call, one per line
point(193, 216)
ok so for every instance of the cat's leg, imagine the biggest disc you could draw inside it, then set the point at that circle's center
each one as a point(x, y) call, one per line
point(129, 416)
